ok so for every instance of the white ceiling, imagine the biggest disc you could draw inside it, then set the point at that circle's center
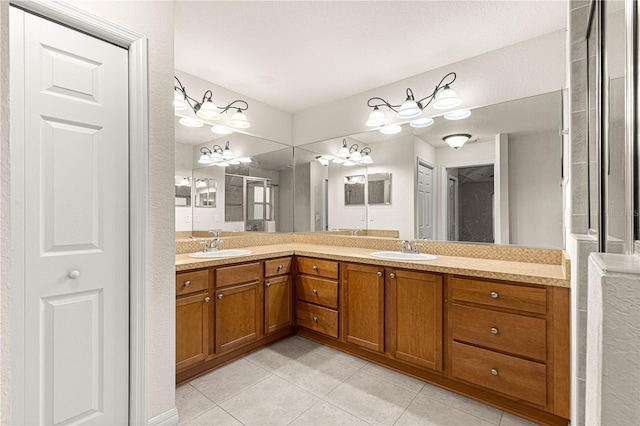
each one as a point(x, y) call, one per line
point(295, 55)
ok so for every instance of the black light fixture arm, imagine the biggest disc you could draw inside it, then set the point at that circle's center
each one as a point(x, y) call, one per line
point(215, 148)
point(444, 83)
point(366, 150)
point(381, 102)
point(238, 104)
point(441, 85)
point(353, 148)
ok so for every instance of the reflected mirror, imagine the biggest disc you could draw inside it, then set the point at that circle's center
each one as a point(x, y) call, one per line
point(379, 188)
point(183, 191)
point(354, 190)
point(204, 191)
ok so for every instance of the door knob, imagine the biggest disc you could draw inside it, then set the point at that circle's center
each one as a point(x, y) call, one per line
point(314, 291)
point(220, 296)
point(187, 283)
point(315, 268)
point(74, 274)
point(392, 275)
point(268, 284)
point(494, 295)
point(494, 372)
point(494, 330)
point(207, 299)
point(315, 319)
point(280, 266)
point(379, 274)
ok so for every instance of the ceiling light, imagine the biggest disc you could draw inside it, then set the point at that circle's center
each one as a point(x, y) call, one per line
point(366, 156)
point(239, 120)
point(442, 96)
point(422, 122)
point(220, 156)
point(344, 151)
point(457, 140)
point(191, 122)
point(458, 114)
point(390, 129)
point(208, 110)
point(377, 118)
point(179, 103)
point(221, 130)
point(446, 98)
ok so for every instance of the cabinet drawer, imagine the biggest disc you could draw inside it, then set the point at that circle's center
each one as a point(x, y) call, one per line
point(317, 290)
point(522, 298)
point(317, 318)
point(191, 282)
point(512, 333)
point(277, 267)
point(230, 275)
point(515, 377)
point(321, 268)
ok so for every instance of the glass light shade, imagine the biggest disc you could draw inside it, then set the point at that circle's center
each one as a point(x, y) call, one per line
point(322, 160)
point(459, 114)
point(446, 98)
point(422, 122)
point(239, 120)
point(366, 159)
point(227, 154)
point(244, 160)
point(348, 163)
point(221, 130)
point(234, 162)
point(457, 140)
point(201, 183)
point(205, 159)
point(184, 182)
point(178, 101)
point(191, 122)
point(344, 152)
point(208, 110)
point(377, 118)
point(409, 109)
point(355, 156)
point(391, 129)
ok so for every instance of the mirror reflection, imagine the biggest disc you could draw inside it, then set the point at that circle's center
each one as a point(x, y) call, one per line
point(503, 185)
point(354, 190)
point(379, 188)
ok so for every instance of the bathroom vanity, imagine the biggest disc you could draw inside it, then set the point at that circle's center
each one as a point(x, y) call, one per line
point(488, 322)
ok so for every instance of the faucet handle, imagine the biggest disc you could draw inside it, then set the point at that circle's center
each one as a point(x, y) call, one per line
point(215, 232)
point(415, 248)
point(405, 247)
point(204, 245)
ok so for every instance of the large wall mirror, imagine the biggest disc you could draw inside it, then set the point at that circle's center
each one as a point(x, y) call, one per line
point(437, 192)
point(254, 193)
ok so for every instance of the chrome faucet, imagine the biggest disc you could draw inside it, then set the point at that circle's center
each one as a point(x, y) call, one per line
point(355, 232)
point(409, 247)
point(214, 245)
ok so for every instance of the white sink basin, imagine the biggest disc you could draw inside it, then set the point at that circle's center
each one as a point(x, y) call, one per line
point(220, 254)
point(396, 255)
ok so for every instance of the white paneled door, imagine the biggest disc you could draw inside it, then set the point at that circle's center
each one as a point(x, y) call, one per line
point(424, 202)
point(70, 230)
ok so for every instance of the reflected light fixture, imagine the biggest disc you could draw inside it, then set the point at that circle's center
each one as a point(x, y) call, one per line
point(455, 141)
point(348, 156)
point(443, 97)
point(390, 129)
point(207, 109)
point(191, 122)
point(421, 122)
point(459, 114)
point(220, 156)
point(221, 130)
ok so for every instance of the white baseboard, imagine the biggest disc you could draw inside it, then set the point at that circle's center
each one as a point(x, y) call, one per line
point(168, 418)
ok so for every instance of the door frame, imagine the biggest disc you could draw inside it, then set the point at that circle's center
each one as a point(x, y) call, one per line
point(434, 209)
point(456, 210)
point(136, 45)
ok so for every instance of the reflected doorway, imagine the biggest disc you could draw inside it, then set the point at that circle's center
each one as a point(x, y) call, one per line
point(470, 212)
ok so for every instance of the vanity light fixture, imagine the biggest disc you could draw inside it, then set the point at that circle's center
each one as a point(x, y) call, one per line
point(220, 156)
point(421, 122)
point(390, 129)
point(221, 130)
point(443, 97)
point(350, 156)
point(459, 114)
point(183, 181)
point(323, 160)
point(208, 110)
point(455, 141)
point(191, 122)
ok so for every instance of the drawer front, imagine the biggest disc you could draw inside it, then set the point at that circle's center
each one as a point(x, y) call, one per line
point(277, 267)
point(191, 282)
point(512, 333)
point(317, 290)
point(515, 377)
point(230, 275)
point(317, 318)
point(522, 298)
point(318, 267)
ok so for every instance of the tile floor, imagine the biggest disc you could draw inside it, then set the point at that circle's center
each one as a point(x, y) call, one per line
point(299, 382)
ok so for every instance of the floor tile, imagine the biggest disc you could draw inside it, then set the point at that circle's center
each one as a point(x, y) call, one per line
point(216, 416)
point(467, 405)
point(273, 401)
point(371, 399)
point(396, 378)
point(304, 343)
point(428, 412)
point(345, 358)
point(277, 355)
point(323, 414)
point(317, 373)
point(229, 380)
point(510, 420)
point(191, 403)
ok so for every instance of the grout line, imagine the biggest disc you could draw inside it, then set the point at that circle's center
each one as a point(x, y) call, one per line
point(342, 409)
point(232, 416)
point(407, 407)
point(301, 414)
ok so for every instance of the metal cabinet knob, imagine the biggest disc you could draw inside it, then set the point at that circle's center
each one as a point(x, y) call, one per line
point(392, 275)
point(494, 372)
point(315, 319)
point(207, 299)
point(220, 296)
point(494, 330)
point(379, 274)
point(315, 268)
point(280, 266)
point(314, 291)
point(268, 284)
point(494, 295)
point(187, 283)
point(74, 274)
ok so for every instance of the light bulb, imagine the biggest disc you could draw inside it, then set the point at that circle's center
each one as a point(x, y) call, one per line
point(458, 114)
point(446, 98)
point(377, 118)
point(239, 120)
point(208, 110)
point(191, 122)
point(409, 109)
point(422, 122)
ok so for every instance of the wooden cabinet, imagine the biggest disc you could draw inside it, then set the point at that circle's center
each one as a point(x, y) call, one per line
point(238, 316)
point(193, 325)
point(363, 305)
point(414, 305)
point(278, 297)
point(317, 295)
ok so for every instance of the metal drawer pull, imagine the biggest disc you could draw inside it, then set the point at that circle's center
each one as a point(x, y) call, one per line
point(494, 330)
point(392, 275)
point(494, 372)
point(207, 299)
point(314, 291)
point(315, 268)
point(494, 294)
point(268, 283)
point(315, 319)
point(187, 283)
point(379, 274)
point(220, 296)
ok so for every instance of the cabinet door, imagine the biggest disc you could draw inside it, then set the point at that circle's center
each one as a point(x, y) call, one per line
point(192, 330)
point(238, 314)
point(363, 306)
point(415, 307)
point(278, 303)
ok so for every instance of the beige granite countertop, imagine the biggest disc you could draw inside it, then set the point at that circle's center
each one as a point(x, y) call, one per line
point(526, 272)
